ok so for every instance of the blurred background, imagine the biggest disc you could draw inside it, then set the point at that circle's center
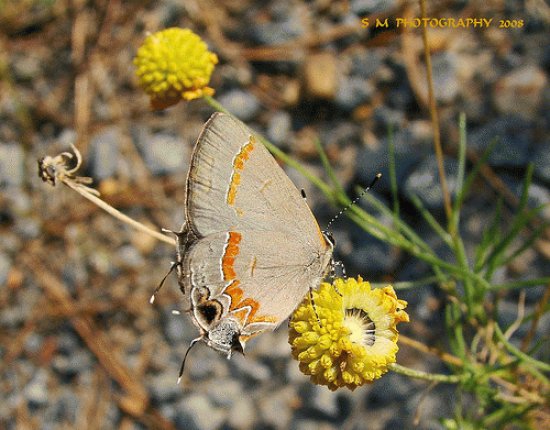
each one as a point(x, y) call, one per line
point(80, 345)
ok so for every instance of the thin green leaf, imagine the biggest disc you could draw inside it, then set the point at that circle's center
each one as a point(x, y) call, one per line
point(489, 238)
point(470, 178)
point(495, 259)
point(461, 170)
point(545, 367)
point(408, 285)
point(393, 175)
point(328, 168)
point(521, 284)
point(536, 234)
point(432, 222)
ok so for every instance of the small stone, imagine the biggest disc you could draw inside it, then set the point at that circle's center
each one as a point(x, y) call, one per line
point(424, 182)
point(374, 158)
point(364, 63)
point(203, 366)
point(271, 346)
point(283, 27)
point(276, 409)
point(514, 135)
point(352, 92)
point(164, 387)
point(520, 91)
point(241, 104)
point(364, 7)
point(5, 267)
point(104, 153)
point(242, 413)
point(310, 424)
point(36, 391)
point(323, 402)
point(389, 389)
point(196, 412)
point(175, 328)
point(12, 168)
point(73, 364)
point(279, 128)
point(164, 153)
point(251, 369)
point(321, 76)
point(541, 159)
point(63, 408)
point(224, 392)
point(446, 86)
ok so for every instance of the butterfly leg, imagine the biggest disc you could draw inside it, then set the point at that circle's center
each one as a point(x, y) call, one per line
point(173, 265)
point(313, 305)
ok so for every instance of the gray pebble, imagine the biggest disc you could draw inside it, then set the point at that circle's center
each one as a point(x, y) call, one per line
point(251, 369)
point(130, 257)
point(389, 389)
point(196, 412)
point(446, 86)
point(5, 267)
point(514, 136)
point(365, 63)
point(224, 392)
point(275, 409)
point(163, 387)
point(373, 159)
point(175, 327)
point(353, 91)
point(520, 92)
point(283, 26)
point(242, 413)
point(364, 7)
point(164, 153)
point(36, 391)
point(104, 153)
point(424, 182)
point(242, 104)
point(71, 365)
point(324, 404)
point(541, 159)
point(279, 128)
point(12, 164)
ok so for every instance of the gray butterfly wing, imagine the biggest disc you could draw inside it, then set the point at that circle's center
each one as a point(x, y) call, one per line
point(234, 183)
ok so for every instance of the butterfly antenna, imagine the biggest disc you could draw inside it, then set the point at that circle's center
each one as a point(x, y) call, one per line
point(355, 200)
point(191, 345)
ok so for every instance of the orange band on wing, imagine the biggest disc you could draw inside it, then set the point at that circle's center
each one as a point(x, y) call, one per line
point(228, 258)
point(240, 305)
point(238, 166)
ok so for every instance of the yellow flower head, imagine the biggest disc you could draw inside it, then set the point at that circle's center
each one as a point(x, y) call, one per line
point(354, 338)
point(173, 64)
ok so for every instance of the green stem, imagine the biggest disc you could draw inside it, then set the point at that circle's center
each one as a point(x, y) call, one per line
point(520, 354)
point(418, 374)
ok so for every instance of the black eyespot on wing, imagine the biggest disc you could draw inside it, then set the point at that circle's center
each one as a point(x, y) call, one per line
point(210, 311)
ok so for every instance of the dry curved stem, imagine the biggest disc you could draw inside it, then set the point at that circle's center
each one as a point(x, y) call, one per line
point(55, 169)
point(435, 118)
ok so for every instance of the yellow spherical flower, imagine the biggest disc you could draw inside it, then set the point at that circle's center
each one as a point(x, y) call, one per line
point(352, 338)
point(174, 64)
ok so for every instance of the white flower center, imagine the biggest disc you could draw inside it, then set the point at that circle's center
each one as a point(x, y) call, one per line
point(362, 328)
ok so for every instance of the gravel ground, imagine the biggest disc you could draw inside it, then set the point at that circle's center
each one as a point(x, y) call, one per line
point(81, 347)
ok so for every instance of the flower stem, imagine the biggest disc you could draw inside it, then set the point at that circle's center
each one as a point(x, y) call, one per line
point(119, 215)
point(433, 377)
